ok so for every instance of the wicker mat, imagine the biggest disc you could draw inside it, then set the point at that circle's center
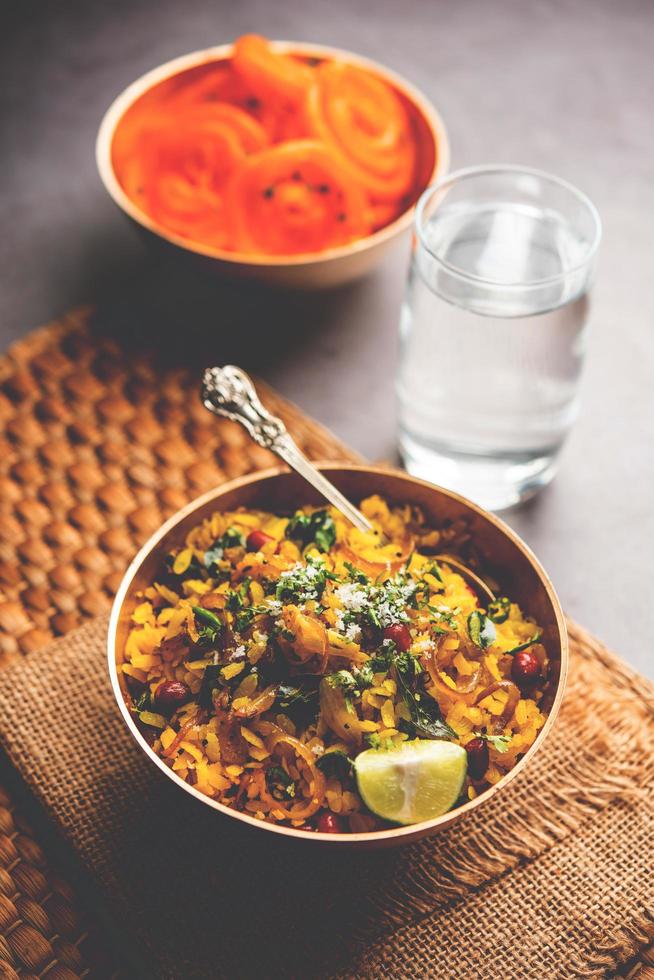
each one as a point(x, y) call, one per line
point(98, 444)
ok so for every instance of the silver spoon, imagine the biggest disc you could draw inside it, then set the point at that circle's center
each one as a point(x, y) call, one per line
point(229, 392)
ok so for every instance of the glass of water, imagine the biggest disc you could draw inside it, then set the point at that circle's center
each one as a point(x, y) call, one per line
point(493, 330)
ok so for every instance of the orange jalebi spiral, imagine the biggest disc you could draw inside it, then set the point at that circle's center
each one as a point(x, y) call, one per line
point(295, 197)
point(270, 74)
point(268, 153)
point(278, 83)
point(220, 84)
point(363, 118)
point(182, 165)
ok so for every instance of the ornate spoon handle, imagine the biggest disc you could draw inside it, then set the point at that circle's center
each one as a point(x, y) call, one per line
point(229, 392)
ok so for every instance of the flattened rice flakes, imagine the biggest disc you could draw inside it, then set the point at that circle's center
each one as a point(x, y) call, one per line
point(272, 649)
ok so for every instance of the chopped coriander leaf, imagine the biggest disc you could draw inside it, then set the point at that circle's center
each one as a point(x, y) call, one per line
point(243, 619)
point(236, 597)
point(375, 741)
point(364, 675)
point(380, 605)
point(230, 539)
point(343, 679)
point(481, 629)
point(499, 742)
point(318, 528)
point(408, 667)
point(303, 582)
point(356, 575)
point(325, 535)
point(442, 616)
point(383, 658)
point(435, 571)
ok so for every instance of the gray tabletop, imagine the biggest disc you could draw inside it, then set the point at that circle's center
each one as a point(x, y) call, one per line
point(567, 87)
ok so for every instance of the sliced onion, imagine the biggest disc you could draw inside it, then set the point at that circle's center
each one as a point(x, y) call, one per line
point(181, 735)
point(297, 811)
point(262, 702)
point(462, 693)
point(310, 641)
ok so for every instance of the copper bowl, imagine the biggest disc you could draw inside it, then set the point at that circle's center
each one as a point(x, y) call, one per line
point(330, 267)
point(503, 553)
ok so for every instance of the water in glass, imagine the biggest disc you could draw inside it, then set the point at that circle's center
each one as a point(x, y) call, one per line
point(488, 377)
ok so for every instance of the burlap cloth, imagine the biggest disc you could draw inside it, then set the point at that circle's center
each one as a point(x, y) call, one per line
point(551, 878)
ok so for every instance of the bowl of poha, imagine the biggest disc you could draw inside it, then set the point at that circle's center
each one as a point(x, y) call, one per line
point(315, 681)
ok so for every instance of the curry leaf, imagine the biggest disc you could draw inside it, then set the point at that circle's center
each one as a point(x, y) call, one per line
point(426, 718)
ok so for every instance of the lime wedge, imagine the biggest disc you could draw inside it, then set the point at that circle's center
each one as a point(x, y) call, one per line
point(416, 781)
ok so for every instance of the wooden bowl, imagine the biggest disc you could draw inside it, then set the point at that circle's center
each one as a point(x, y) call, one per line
point(330, 267)
point(505, 556)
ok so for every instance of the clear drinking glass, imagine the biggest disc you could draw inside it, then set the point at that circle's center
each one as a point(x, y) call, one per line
point(493, 330)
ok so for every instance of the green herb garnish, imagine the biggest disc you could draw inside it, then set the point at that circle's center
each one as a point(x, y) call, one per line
point(524, 646)
point(143, 702)
point(236, 597)
point(426, 717)
point(355, 575)
point(499, 742)
point(280, 785)
point(375, 741)
point(318, 528)
point(209, 626)
point(343, 679)
point(304, 582)
point(481, 630)
point(499, 609)
point(230, 539)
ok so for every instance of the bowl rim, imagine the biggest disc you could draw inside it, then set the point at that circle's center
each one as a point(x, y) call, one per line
point(222, 52)
point(401, 833)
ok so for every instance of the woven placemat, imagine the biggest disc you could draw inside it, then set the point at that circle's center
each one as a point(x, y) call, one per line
point(100, 440)
point(551, 878)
